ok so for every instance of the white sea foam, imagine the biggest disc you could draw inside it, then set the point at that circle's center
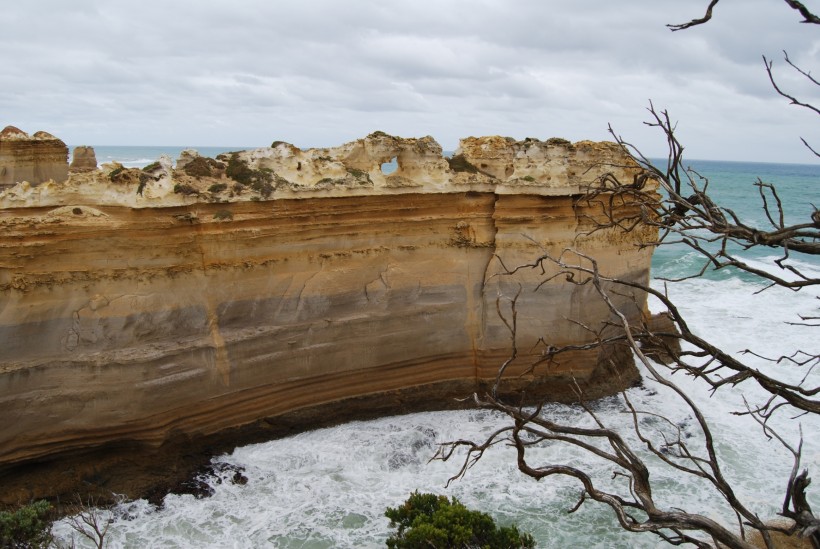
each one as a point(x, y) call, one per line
point(136, 163)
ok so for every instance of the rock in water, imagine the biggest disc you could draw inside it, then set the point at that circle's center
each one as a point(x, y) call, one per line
point(83, 160)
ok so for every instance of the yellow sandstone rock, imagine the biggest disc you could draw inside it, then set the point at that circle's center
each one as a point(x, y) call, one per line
point(138, 318)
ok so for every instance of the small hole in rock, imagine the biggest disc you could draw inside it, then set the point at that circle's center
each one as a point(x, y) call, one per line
point(390, 167)
point(77, 211)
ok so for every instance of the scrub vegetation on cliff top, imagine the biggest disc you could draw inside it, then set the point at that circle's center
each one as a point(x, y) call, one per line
point(259, 180)
point(203, 167)
point(775, 391)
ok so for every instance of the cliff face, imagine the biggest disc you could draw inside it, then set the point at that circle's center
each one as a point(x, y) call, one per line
point(135, 315)
point(33, 158)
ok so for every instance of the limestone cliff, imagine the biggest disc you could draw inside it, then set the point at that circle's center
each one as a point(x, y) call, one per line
point(33, 158)
point(142, 307)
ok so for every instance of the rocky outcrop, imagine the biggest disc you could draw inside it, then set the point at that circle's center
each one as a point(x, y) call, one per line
point(32, 158)
point(186, 157)
point(83, 160)
point(488, 164)
point(285, 287)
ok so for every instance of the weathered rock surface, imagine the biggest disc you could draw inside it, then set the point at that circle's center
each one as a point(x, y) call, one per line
point(83, 160)
point(32, 158)
point(142, 309)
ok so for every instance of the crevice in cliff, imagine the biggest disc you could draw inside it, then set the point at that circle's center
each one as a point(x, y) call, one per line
point(479, 335)
point(221, 360)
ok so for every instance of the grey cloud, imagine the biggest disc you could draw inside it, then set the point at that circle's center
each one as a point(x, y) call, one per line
point(326, 71)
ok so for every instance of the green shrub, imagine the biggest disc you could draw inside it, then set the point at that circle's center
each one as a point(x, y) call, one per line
point(217, 187)
point(27, 527)
point(431, 521)
point(460, 164)
point(115, 172)
point(152, 166)
point(358, 174)
point(144, 179)
point(528, 178)
point(558, 141)
point(199, 167)
point(258, 180)
point(223, 214)
point(238, 170)
point(184, 188)
point(262, 187)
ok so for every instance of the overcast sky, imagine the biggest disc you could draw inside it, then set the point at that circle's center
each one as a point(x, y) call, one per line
point(320, 73)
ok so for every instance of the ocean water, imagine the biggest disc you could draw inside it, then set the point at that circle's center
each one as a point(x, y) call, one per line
point(330, 487)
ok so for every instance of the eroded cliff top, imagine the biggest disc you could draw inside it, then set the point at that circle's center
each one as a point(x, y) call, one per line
point(283, 171)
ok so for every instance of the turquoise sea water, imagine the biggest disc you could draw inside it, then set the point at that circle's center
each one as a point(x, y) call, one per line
point(733, 184)
point(329, 488)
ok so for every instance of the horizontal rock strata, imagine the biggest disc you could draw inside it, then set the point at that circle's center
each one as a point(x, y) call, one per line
point(139, 316)
point(31, 158)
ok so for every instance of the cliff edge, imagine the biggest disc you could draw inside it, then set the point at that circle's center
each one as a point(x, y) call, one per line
point(152, 311)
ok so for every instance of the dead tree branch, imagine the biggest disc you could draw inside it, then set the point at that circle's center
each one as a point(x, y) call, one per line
point(684, 212)
point(688, 215)
point(694, 22)
point(675, 204)
point(91, 520)
point(808, 16)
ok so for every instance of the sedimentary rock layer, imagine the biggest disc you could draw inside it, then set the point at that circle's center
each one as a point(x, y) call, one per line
point(139, 325)
point(32, 158)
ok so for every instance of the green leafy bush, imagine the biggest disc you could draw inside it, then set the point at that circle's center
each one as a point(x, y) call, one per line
point(27, 527)
point(431, 521)
point(217, 187)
